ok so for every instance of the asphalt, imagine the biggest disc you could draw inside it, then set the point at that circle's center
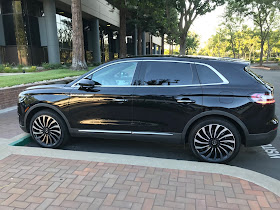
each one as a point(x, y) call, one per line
point(254, 158)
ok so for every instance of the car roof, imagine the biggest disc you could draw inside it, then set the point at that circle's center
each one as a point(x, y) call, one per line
point(203, 59)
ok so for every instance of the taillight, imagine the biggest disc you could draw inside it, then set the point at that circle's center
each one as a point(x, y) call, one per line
point(262, 98)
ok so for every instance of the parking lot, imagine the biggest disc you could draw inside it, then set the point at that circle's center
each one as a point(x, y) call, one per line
point(264, 160)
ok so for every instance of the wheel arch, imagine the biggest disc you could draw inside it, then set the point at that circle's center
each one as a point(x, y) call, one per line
point(42, 106)
point(221, 114)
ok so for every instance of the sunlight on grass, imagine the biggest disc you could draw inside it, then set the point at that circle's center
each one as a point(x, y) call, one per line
point(7, 81)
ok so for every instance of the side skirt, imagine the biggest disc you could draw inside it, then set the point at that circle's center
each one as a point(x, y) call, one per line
point(128, 135)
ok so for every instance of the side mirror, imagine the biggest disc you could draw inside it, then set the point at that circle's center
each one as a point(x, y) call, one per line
point(86, 83)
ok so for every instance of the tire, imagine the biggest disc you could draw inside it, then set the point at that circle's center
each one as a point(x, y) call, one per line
point(214, 140)
point(48, 129)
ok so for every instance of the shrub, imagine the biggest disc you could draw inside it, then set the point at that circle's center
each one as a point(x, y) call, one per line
point(7, 69)
point(33, 68)
point(52, 66)
point(20, 66)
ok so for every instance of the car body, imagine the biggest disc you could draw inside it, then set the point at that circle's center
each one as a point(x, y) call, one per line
point(213, 104)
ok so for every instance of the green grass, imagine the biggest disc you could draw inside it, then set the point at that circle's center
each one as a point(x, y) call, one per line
point(11, 80)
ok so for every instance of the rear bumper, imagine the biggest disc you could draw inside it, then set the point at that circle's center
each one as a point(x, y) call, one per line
point(260, 139)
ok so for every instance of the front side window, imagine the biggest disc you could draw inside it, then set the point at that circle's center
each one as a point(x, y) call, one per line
point(206, 75)
point(166, 73)
point(119, 74)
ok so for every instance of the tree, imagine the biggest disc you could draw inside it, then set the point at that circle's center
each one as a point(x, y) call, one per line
point(272, 41)
point(261, 11)
point(189, 10)
point(159, 17)
point(192, 43)
point(231, 26)
point(123, 6)
point(78, 57)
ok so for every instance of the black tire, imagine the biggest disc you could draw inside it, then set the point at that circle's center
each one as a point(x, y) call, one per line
point(46, 126)
point(223, 142)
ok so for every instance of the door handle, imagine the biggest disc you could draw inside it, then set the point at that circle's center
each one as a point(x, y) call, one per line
point(186, 101)
point(120, 100)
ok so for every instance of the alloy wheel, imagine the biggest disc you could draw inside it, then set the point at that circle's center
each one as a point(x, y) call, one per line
point(46, 130)
point(214, 142)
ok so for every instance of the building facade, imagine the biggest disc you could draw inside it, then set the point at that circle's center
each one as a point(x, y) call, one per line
point(36, 31)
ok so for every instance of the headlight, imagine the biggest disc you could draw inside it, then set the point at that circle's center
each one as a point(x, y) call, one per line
point(21, 97)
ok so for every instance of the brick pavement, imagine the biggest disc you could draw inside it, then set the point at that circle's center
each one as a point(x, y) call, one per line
point(29, 182)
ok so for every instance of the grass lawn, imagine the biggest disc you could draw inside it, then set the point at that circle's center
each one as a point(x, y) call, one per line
point(11, 80)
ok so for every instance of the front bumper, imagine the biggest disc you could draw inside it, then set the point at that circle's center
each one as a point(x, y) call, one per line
point(260, 139)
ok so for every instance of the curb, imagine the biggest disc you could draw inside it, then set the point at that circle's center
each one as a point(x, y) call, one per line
point(22, 141)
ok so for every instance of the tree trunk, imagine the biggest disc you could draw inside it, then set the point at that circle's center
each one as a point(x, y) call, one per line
point(261, 54)
point(139, 47)
point(232, 47)
point(182, 45)
point(78, 54)
point(162, 44)
point(151, 45)
point(268, 50)
point(122, 33)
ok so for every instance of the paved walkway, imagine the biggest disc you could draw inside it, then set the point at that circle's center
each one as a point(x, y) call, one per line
point(37, 182)
point(11, 74)
point(30, 182)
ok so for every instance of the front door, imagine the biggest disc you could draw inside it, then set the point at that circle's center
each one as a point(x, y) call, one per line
point(107, 106)
point(168, 97)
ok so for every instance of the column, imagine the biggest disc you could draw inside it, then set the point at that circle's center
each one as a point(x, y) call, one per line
point(52, 39)
point(159, 50)
point(135, 40)
point(143, 43)
point(1, 55)
point(110, 39)
point(155, 49)
point(95, 41)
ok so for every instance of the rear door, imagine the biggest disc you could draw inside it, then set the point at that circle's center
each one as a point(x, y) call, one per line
point(167, 97)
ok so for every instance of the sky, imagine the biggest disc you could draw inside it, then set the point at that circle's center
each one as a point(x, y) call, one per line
point(205, 26)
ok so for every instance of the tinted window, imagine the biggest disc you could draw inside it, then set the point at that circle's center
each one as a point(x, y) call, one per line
point(119, 74)
point(167, 73)
point(207, 76)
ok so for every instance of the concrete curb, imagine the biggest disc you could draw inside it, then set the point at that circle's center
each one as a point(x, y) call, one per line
point(264, 181)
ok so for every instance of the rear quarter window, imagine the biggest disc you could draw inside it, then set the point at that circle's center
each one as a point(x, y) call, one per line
point(206, 75)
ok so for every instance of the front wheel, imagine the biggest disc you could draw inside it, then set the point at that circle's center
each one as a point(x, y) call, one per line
point(215, 140)
point(48, 129)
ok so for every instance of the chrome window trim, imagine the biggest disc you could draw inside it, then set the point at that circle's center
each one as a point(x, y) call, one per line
point(110, 64)
point(225, 81)
point(125, 132)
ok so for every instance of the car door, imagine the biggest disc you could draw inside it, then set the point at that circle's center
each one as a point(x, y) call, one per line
point(169, 95)
point(108, 106)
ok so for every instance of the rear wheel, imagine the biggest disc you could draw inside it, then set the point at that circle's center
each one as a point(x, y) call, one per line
point(48, 129)
point(215, 140)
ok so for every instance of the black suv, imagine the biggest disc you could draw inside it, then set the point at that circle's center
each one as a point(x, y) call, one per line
point(213, 104)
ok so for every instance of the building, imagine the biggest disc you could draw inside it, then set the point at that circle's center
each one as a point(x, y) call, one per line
point(36, 31)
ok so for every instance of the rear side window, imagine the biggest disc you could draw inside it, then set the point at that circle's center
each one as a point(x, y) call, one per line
point(166, 73)
point(206, 75)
